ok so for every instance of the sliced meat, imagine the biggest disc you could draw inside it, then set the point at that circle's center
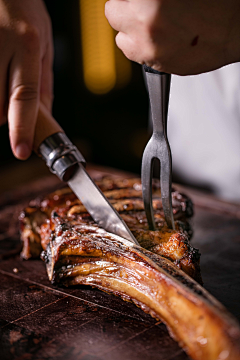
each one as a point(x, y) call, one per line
point(85, 254)
point(126, 197)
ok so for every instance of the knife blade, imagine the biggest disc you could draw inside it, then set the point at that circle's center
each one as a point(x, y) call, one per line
point(66, 161)
point(97, 204)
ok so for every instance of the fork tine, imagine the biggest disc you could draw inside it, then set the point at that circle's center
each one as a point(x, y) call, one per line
point(146, 176)
point(158, 147)
point(166, 185)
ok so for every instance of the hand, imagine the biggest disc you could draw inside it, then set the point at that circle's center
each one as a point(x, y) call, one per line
point(182, 37)
point(25, 69)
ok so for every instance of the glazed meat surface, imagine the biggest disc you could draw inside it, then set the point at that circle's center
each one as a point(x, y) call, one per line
point(79, 253)
point(154, 276)
point(126, 197)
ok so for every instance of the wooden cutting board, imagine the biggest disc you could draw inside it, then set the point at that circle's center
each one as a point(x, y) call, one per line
point(41, 321)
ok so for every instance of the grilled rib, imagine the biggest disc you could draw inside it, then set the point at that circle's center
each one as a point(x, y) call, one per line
point(77, 251)
point(85, 254)
point(126, 197)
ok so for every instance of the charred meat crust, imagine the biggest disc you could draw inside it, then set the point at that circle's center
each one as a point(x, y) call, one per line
point(125, 196)
point(84, 254)
point(31, 220)
point(79, 252)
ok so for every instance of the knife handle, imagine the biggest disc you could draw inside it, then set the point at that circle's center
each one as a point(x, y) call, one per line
point(54, 147)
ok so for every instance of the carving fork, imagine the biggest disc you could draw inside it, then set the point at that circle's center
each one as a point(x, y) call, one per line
point(158, 84)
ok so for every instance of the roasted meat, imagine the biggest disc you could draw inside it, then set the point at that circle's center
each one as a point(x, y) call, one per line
point(155, 276)
point(79, 253)
point(125, 196)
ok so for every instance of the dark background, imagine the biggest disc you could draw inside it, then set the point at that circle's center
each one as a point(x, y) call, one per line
point(110, 129)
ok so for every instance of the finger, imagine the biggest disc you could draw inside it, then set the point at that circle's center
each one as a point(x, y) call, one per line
point(119, 15)
point(23, 101)
point(134, 50)
point(46, 91)
point(128, 47)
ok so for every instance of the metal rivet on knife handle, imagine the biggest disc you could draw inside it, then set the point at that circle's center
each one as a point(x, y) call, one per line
point(53, 145)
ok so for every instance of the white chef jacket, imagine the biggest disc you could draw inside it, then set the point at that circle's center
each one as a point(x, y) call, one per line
point(204, 129)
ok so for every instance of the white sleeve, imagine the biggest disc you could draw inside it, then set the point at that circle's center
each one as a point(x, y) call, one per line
point(204, 129)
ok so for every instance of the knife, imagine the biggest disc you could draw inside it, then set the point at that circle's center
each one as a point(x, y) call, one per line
point(66, 161)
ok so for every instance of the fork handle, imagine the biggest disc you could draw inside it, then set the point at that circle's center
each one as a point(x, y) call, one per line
point(150, 70)
point(158, 83)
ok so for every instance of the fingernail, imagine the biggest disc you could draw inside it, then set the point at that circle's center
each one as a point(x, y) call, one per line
point(22, 151)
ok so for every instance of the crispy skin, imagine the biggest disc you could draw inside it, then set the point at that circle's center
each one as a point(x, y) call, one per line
point(126, 197)
point(80, 253)
point(77, 251)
